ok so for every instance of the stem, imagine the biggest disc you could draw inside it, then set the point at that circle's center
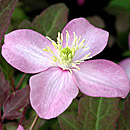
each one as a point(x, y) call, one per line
point(23, 116)
point(12, 84)
point(21, 80)
point(34, 122)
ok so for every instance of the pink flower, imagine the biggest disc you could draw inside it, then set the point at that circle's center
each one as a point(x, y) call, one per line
point(62, 66)
point(125, 64)
point(20, 128)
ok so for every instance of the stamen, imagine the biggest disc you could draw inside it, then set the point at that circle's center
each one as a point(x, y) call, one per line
point(75, 66)
point(50, 39)
point(75, 39)
point(58, 38)
point(61, 38)
point(74, 69)
point(67, 38)
point(55, 45)
point(48, 49)
point(78, 40)
point(87, 56)
point(81, 44)
point(86, 49)
point(65, 58)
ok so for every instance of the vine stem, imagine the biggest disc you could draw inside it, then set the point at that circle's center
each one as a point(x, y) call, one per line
point(12, 84)
point(34, 122)
point(21, 80)
point(23, 117)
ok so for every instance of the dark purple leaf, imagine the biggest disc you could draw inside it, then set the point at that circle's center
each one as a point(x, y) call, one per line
point(6, 11)
point(94, 114)
point(15, 102)
point(4, 88)
point(124, 119)
point(14, 115)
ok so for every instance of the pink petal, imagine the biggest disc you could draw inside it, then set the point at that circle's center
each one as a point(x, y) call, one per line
point(125, 64)
point(20, 128)
point(95, 38)
point(102, 78)
point(23, 49)
point(51, 92)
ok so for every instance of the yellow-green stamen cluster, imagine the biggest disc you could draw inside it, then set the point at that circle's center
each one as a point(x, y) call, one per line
point(67, 53)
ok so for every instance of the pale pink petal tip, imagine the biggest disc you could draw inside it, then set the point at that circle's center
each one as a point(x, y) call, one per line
point(51, 92)
point(102, 78)
point(125, 64)
point(23, 49)
point(20, 128)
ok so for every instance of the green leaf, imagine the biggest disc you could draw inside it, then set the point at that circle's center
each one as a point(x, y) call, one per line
point(6, 11)
point(50, 21)
point(54, 125)
point(34, 5)
point(120, 3)
point(118, 6)
point(10, 126)
point(122, 22)
point(27, 123)
point(126, 53)
point(94, 114)
point(122, 40)
point(124, 119)
point(26, 24)
point(6, 68)
point(73, 108)
point(24, 83)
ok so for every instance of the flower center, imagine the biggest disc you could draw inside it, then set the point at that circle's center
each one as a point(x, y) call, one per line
point(66, 55)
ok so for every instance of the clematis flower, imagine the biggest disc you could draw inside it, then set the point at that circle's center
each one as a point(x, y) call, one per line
point(20, 127)
point(125, 64)
point(62, 67)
